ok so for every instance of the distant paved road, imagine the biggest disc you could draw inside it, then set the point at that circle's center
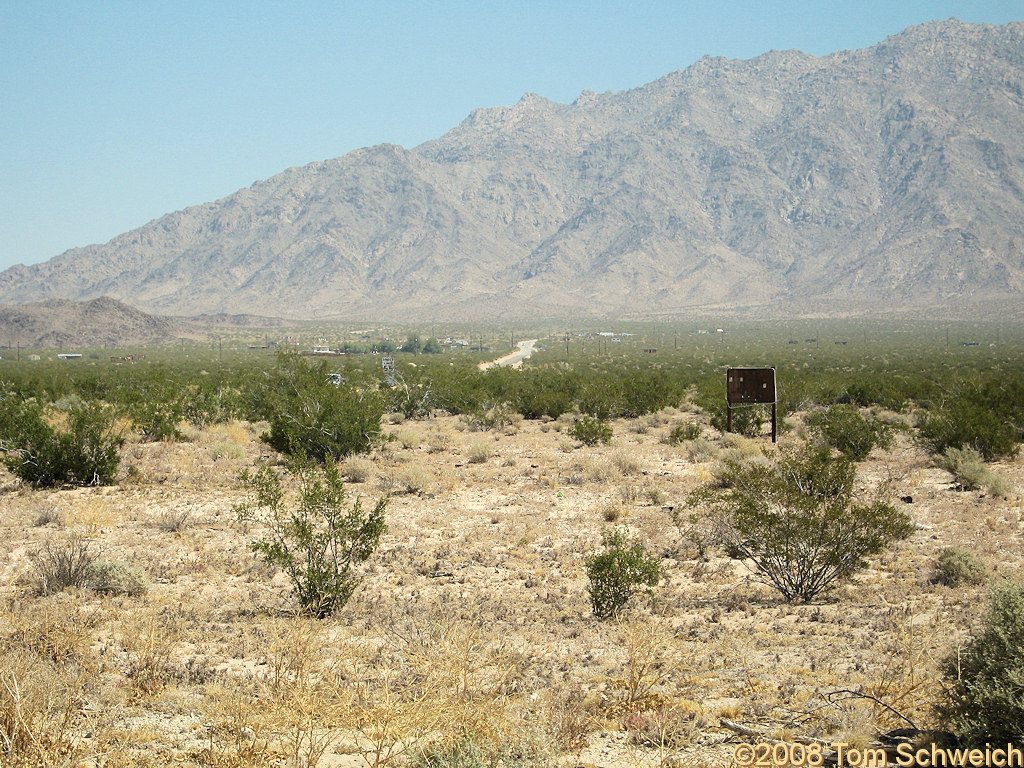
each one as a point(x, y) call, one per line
point(515, 359)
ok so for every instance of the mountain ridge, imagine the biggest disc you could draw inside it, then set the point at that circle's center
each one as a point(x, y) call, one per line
point(869, 177)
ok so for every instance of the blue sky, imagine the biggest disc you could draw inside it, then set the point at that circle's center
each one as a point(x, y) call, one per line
point(114, 113)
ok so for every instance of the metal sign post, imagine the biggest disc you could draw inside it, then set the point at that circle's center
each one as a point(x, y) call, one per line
point(388, 364)
point(751, 386)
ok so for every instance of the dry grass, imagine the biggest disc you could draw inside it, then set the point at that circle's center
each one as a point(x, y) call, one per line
point(472, 624)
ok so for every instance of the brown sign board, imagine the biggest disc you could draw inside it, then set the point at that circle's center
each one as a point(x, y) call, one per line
point(750, 385)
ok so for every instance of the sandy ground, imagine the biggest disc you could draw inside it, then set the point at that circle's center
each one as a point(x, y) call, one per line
point(473, 616)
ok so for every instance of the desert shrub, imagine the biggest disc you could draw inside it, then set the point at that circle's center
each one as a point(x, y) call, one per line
point(438, 441)
point(698, 451)
point(965, 423)
point(59, 567)
point(157, 421)
point(472, 751)
point(998, 485)
point(174, 520)
point(955, 567)
point(117, 578)
point(845, 429)
point(619, 572)
point(407, 438)
point(478, 453)
point(984, 700)
point(50, 516)
point(748, 420)
point(356, 469)
point(966, 466)
point(611, 512)
point(970, 472)
point(590, 430)
point(414, 478)
point(697, 528)
point(319, 541)
point(628, 493)
point(655, 495)
point(640, 426)
point(496, 417)
point(796, 519)
point(600, 398)
point(626, 463)
point(681, 433)
point(86, 452)
point(312, 417)
point(200, 407)
point(875, 390)
point(550, 404)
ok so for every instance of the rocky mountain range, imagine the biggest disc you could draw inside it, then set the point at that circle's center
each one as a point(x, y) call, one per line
point(862, 180)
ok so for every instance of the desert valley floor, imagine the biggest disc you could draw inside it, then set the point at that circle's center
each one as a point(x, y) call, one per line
point(473, 620)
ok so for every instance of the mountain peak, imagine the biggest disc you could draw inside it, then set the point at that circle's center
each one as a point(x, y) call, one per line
point(877, 178)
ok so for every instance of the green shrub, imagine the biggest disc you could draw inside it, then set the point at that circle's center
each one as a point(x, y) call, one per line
point(157, 421)
point(797, 521)
point(619, 572)
point(845, 429)
point(491, 416)
point(590, 430)
point(965, 423)
point(547, 403)
point(747, 421)
point(682, 433)
point(955, 567)
point(318, 542)
point(984, 700)
point(312, 417)
point(86, 452)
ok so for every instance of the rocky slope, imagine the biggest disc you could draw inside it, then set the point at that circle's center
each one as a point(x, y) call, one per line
point(881, 178)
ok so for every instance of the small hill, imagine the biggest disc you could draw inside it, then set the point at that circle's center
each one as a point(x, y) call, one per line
point(105, 322)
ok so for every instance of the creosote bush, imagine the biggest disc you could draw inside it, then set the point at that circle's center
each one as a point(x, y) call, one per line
point(590, 430)
point(619, 572)
point(797, 521)
point(845, 429)
point(985, 698)
point(85, 452)
point(969, 422)
point(312, 417)
point(320, 539)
